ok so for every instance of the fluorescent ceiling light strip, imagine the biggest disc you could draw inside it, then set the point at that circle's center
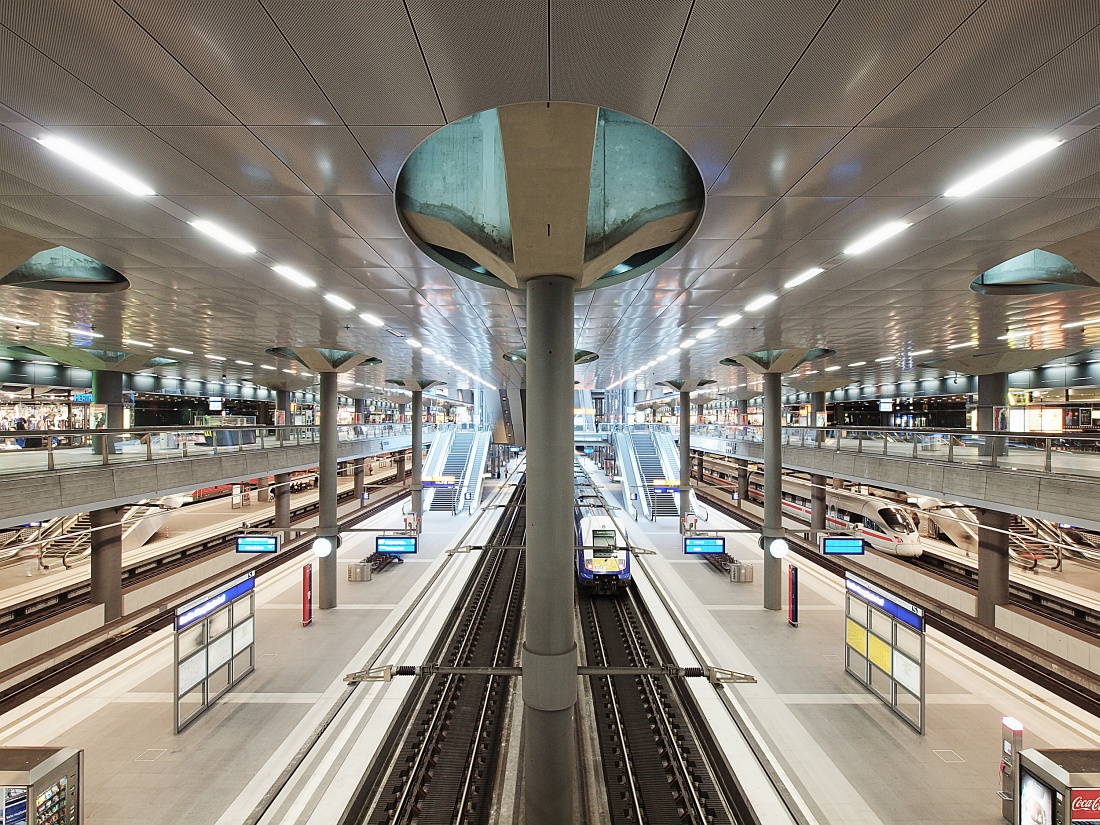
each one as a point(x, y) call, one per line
point(831, 369)
point(1022, 333)
point(373, 320)
point(704, 333)
point(412, 342)
point(294, 276)
point(730, 319)
point(884, 359)
point(96, 165)
point(267, 366)
point(79, 331)
point(224, 236)
point(963, 344)
point(131, 342)
point(18, 321)
point(876, 237)
point(1002, 166)
point(760, 303)
point(180, 351)
point(798, 280)
point(921, 352)
point(1084, 323)
point(333, 298)
point(216, 357)
point(857, 363)
point(243, 363)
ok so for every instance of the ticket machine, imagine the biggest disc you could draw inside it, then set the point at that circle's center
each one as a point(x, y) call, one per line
point(41, 786)
point(1012, 742)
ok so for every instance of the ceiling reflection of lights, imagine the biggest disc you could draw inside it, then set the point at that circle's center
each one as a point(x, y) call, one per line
point(18, 321)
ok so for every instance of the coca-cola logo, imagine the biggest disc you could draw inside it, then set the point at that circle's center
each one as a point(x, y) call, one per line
point(1085, 804)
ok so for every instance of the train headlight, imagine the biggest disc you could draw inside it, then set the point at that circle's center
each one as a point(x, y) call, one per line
point(778, 548)
point(588, 564)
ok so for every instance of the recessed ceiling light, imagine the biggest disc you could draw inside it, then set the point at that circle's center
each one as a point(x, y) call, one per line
point(216, 357)
point(131, 342)
point(1002, 166)
point(730, 319)
point(224, 236)
point(885, 231)
point(96, 165)
point(244, 363)
point(373, 320)
point(857, 363)
point(333, 298)
point(79, 331)
point(180, 351)
point(760, 303)
point(294, 276)
point(18, 321)
point(267, 366)
point(812, 272)
point(884, 359)
point(832, 369)
point(963, 344)
point(1084, 323)
point(289, 372)
point(921, 352)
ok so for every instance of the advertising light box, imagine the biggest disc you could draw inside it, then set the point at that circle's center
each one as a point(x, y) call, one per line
point(395, 545)
point(700, 545)
point(257, 544)
point(842, 546)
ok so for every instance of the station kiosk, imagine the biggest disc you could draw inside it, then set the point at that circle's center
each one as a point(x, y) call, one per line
point(1057, 786)
point(41, 786)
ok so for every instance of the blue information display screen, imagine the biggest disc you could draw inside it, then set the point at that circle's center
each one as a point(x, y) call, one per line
point(694, 545)
point(842, 546)
point(395, 545)
point(257, 544)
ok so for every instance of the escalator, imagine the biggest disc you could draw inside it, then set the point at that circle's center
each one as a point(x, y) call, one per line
point(443, 499)
point(649, 462)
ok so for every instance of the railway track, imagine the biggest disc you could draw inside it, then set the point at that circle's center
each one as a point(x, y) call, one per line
point(1059, 683)
point(39, 608)
point(654, 768)
point(445, 745)
point(15, 695)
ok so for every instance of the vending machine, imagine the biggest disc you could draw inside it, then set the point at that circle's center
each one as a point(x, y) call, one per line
point(1058, 786)
point(41, 786)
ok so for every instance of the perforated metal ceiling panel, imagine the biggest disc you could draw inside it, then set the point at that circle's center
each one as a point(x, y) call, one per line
point(812, 123)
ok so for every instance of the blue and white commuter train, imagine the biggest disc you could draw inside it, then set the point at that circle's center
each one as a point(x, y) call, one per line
point(602, 557)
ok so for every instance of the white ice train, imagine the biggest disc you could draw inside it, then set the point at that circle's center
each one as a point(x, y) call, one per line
point(879, 521)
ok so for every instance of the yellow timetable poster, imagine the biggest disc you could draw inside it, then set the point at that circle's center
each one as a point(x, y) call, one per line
point(857, 638)
point(880, 653)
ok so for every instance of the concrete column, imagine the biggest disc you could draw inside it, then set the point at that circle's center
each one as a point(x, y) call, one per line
point(107, 389)
point(549, 646)
point(685, 454)
point(993, 526)
point(282, 480)
point(399, 468)
point(417, 454)
point(992, 392)
point(773, 490)
point(817, 492)
point(357, 470)
point(699, 468)
point(742, 482)
point(106, 525)
point(742, 411)
point(326, 490)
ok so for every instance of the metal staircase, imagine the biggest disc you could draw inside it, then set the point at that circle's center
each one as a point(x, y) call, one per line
point(444, 497)
point(649, 462)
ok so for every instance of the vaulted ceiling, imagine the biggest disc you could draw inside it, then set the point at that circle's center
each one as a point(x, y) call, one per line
point(813, 122)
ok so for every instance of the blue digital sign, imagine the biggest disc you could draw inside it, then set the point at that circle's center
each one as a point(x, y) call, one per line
point(395, 545)
point(842, 546)
point(199, 609)
point(699, 545)
point(257, 544)
point(904, 612)
point(83, 398)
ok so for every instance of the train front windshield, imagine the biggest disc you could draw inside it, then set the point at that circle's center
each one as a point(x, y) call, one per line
point(897, 520)
point(603, 544)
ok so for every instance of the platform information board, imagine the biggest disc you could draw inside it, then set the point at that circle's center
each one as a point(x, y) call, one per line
point(214, 646)
point(395, 545)
point(257, 544)
point(884, 647)
point(842, 546)
point(697, 545)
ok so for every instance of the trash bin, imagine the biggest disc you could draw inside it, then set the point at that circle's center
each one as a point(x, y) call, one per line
point(359, 571)
point(740, 572)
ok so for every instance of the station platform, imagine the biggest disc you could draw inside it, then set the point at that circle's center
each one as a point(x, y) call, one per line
point(845, 757)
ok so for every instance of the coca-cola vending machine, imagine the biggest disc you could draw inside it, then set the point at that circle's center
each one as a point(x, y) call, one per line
point(1058, 786)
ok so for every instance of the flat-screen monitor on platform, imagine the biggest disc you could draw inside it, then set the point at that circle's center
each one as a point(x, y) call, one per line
point(395, 545)
point(842, 546)
point(700, 545)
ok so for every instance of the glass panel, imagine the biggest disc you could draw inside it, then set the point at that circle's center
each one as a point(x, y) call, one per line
point(881, 684)
point(882, 623)
point(242, 664)
point(243, 608)
point(856, 664)
point(856, 637)
point(857, 610)
point(190, 704)
point(192, 671)
point(908, 705)
point(191, 639)
point(219, 622)
point(219, 682)
point(907, 641)
point(242, 636)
